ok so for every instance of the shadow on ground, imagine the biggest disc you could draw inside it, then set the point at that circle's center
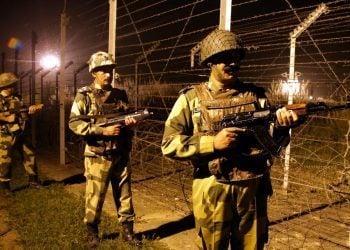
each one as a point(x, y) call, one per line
point(170, 228)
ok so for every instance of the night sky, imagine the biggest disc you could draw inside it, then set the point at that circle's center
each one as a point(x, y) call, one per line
point(177, 25)
point(20, 17)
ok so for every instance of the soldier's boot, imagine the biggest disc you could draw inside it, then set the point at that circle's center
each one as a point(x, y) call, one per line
point(34, 182)
point(5, 190)
point(128, 234)
point(92, 236)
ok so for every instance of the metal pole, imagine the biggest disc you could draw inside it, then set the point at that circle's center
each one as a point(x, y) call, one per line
point(32, 89)
point(22, 75)
point(16, 62)
point(75, 84)
point(42, 85)
point(56, 90)
point(42, 88)
point(291, 78)
point(322, 8)
point(20, 86)
point(225, 15)
point(76, 72)
point(3, 61)
point(136, 86)
point(62, 87)
point(32, 94)
point(112, 31)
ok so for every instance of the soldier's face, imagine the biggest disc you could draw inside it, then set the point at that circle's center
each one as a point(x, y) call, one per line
point(103, 76)
point(225, 72)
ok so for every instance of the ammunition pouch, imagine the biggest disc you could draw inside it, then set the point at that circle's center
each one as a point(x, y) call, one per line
point(3, 130)
point(99, 150)
point(110, 147)
point(241, 167)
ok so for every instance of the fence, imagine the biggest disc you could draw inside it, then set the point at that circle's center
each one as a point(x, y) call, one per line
point(320, 148)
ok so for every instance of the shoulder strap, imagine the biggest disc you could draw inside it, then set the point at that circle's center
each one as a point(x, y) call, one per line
point(203, 92)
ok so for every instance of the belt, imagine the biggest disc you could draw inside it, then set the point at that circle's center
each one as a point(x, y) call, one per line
point(109, 153)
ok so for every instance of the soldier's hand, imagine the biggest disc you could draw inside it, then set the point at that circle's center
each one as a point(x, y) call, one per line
point(286, 117)
point(112, 130)
point(227, 138)
point(31, 109)
point(130, 122)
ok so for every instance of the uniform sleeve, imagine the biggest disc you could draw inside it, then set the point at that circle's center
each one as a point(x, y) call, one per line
point(3, 119)
point(80, 126)
point(179, 141)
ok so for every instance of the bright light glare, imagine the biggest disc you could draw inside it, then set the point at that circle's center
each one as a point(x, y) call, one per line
point(49, 62)
point(291, 86)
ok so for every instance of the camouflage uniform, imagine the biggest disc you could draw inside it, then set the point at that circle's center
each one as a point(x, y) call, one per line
point(12, 138)
point(230, 188)
point(106, 158)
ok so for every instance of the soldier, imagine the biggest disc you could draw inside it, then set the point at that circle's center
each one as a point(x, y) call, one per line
point(12, 128)
point(231, 169)
point(107, 148)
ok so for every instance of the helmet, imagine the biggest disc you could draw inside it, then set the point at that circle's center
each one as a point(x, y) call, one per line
point(100, 59)
point(220, 42)
point(7, 79)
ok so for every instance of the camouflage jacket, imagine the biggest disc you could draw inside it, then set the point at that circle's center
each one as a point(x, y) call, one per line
point(189, 134)
point(92, 101)
point(12, 102)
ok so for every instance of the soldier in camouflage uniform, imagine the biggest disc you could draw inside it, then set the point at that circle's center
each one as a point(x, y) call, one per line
point(231, 169)
point(107, 148)
point(12, 137)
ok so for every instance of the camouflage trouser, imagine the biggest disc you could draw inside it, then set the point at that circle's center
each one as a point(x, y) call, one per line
point(229, 214)
point(7, 149)
point(98, 172)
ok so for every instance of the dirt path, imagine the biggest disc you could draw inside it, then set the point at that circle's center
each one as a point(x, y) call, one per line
point(153, 219)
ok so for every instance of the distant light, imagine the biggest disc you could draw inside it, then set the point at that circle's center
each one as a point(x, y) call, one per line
point(311, 97)
point(15, 43)
point(49, 62)
point(291, 86)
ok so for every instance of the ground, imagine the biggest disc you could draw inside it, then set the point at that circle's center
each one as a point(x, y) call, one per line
point(304, 219)
point(152, 220)
point(9, 238)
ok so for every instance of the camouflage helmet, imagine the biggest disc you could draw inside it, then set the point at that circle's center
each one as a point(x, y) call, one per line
point(220, 42)
point(100, 59)
point(7, 79)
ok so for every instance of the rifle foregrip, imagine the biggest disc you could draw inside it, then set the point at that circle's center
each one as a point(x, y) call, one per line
point(298, 108)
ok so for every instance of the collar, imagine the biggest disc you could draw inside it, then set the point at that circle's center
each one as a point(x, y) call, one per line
point(99, 91)
point(217, 90)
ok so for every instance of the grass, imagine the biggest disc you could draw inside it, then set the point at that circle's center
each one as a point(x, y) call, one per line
point(51, 218)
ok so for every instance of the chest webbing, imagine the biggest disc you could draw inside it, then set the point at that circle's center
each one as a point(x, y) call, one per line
point(213, 107)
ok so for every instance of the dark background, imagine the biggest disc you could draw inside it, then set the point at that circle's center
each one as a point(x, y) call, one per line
point(264, 26)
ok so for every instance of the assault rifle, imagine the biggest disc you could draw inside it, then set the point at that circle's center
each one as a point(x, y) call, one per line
point(112, 119)
point(21, 110)
point(256, 121)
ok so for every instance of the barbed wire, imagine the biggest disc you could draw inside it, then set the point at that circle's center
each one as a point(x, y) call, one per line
point(320, 160)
